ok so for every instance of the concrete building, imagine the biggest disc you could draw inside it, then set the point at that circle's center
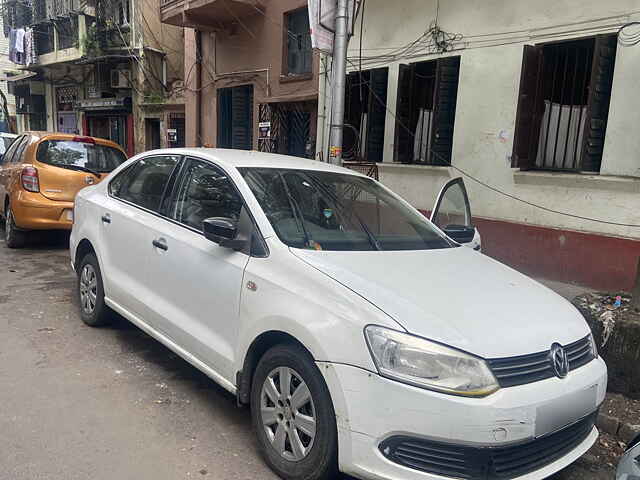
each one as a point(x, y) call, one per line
point(250, 75)
point(7, 69)
point(536, 99)
point(106, 68)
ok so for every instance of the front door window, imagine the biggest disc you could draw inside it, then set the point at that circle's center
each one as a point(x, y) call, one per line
point(204, 191)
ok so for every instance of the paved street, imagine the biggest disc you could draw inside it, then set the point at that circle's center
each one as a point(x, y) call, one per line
point(110, 403)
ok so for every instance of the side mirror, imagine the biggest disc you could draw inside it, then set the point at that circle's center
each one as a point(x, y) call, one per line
point(224, 232)
point(460, 233)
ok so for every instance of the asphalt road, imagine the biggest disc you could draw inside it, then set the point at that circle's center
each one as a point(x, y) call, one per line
point(109, 403)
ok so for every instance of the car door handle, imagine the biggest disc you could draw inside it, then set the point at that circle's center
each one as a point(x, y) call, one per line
point(161, 243)
point(106, 218)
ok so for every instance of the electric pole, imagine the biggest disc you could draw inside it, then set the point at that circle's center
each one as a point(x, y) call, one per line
point(340, 43)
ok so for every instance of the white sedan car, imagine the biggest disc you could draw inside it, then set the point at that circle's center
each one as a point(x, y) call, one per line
point(363, 338)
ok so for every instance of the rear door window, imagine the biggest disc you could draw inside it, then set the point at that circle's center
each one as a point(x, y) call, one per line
point(17, 157)
point(145, 182)
point(8, 156)
point(80, 155)
point(203, 191)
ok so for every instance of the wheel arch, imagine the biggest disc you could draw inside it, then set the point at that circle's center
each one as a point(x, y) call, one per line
point(84, 247)
point(256, 350)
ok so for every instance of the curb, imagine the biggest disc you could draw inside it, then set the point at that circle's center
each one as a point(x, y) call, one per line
point(625, 432)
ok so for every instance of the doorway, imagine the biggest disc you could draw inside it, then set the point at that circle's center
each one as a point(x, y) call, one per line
point(67, 122)
point(109, 127)
point(152, 133)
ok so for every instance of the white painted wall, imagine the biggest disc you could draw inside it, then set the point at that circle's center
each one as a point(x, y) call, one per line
point(494, 32)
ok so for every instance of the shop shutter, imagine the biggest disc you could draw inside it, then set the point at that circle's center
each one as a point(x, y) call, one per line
point(377, 114)
point(527, 129)
point(604, 55)
point(403, 136)
point(444, 109)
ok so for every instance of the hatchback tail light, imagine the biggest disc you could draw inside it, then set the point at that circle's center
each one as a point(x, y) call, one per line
point(30, 180)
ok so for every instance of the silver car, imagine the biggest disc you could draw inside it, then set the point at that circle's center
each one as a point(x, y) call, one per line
point(629, 466)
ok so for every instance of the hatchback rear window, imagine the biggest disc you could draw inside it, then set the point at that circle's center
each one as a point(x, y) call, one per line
point(68, 153)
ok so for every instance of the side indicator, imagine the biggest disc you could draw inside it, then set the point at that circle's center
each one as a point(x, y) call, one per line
point(252, 286)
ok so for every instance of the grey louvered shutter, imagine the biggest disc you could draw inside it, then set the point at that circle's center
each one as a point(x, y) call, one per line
point(444, 109)
point(604, 57)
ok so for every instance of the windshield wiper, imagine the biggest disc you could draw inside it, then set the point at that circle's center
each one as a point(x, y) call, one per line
point(78, 167)
point(296, 210)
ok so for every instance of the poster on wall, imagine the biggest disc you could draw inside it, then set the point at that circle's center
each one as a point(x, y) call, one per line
point(322, 20)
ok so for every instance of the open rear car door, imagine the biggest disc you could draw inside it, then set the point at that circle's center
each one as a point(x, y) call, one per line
point(452, 214)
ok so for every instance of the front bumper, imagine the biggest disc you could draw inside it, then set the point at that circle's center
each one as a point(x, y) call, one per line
point(33, 211)
point(371, 409)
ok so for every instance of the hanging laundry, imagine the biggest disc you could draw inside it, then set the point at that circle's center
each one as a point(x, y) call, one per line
point(13, 52)
point(20, 40)
point(29, 47)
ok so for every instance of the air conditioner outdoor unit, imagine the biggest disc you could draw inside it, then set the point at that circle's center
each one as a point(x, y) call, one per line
point(120, 79)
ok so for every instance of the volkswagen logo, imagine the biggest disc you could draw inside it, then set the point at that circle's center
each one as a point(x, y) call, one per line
point(559, 360)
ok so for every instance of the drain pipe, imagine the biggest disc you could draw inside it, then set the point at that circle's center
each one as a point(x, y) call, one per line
point(198, 88)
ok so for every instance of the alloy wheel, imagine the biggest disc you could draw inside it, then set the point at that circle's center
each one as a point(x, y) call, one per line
point(288, 413)
point(88, 289)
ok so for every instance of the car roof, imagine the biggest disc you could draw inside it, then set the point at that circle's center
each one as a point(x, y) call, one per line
point(8, 135)
point(251, 158)
point(70, 136)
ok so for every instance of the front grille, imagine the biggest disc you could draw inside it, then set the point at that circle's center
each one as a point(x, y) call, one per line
point(482, 463)
point(512, 371)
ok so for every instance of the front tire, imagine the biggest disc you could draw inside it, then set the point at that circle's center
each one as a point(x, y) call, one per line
point(293, 415)
point(14, 238)
point(93, 310)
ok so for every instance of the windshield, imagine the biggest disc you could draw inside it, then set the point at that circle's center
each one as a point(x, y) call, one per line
point(333, 211)
point(97, 158)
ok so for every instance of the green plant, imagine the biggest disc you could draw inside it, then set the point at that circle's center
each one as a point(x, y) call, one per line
point(90, 44)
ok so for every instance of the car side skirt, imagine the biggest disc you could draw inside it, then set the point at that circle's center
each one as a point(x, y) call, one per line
point(171, 345)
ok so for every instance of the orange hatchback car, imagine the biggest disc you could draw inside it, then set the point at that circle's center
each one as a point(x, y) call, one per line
point(40, 175)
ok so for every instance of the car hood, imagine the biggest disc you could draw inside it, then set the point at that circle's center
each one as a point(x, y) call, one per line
point(458, 297)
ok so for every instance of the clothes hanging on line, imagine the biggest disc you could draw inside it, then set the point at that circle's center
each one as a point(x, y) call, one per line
point(29, 47)
point(16, 46)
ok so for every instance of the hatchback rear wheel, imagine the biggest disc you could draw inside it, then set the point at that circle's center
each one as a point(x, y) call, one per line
point(293, 415)
point(14, 237)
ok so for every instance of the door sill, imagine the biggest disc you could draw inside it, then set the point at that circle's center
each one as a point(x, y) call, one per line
point(167, 342)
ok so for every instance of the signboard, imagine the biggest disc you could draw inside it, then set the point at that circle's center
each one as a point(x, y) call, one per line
point(104, 104)
point(172, 135)
point(322, 20)
point(264, 130)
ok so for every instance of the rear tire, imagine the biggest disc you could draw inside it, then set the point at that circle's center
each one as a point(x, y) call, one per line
point(296, 427)
point(14, 238)
point(93, 310)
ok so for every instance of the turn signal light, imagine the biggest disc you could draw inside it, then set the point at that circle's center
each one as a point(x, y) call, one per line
point(30, 180)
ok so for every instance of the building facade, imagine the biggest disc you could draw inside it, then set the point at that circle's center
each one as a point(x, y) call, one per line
point(251, 78)
point(105, 68)
point(534, 100)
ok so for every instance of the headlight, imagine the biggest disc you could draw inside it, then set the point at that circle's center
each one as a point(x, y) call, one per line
point(593, 345)
point(426, 364)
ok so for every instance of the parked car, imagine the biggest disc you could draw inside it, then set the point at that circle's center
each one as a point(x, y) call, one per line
point(41, 173)
point(629, 466)
point(363, 338)
point(6, 139)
